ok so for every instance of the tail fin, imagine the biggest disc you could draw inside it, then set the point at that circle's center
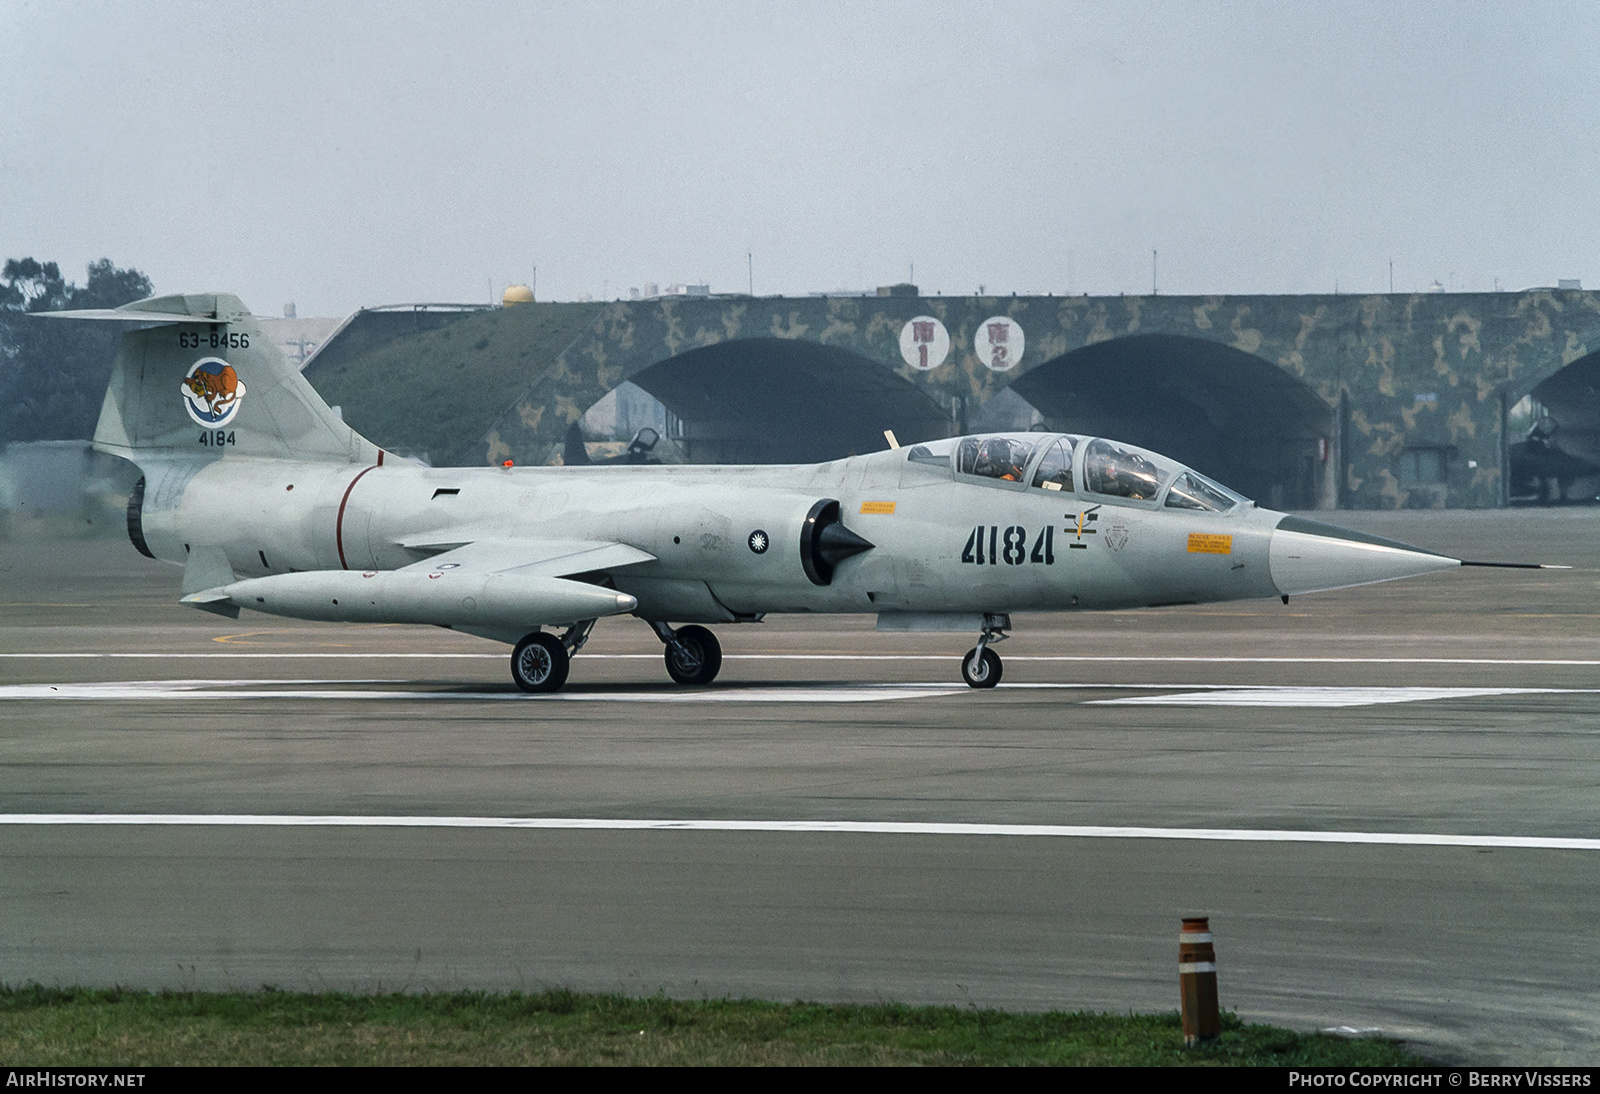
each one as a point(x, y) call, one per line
point(207, 383)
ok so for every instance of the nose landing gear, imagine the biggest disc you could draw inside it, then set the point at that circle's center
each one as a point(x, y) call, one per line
point(694, 656)
point(981, 667)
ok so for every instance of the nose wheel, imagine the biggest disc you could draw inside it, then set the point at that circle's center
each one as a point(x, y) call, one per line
point(693, 654)
point(981, 667)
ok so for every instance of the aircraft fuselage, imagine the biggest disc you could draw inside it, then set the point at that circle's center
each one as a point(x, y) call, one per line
point(939, 544)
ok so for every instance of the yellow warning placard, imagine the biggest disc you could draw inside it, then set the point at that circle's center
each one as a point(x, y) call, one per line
point(877, 507)
point(1209, 543)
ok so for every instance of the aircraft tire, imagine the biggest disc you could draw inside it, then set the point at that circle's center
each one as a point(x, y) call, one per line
point(694, 656)
point(981, 674)
point(540, 663)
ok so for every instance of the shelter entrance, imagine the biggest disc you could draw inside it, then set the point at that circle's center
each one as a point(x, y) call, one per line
point(1225, 413)
point(770, 400)
point(1552, 438)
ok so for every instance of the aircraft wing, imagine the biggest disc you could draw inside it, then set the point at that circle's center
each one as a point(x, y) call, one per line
point(523, 557)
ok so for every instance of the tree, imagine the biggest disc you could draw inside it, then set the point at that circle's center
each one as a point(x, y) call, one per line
point(53, 375)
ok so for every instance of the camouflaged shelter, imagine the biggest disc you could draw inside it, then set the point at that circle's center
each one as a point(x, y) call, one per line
point(1379, 401)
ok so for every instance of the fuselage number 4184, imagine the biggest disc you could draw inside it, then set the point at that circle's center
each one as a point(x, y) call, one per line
point(990, 544)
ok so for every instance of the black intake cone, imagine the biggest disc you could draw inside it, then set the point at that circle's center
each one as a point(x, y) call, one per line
point(837, 543)
point(824, 542)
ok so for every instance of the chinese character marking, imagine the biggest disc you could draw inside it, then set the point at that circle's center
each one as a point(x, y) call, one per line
point(999, 336)
point(922, 335)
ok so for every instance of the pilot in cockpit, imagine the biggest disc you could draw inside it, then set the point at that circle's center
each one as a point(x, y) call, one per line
point(1131, 477)
point(998, 458)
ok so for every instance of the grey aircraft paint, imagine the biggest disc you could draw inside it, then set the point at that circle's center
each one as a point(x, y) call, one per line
point(272, 503)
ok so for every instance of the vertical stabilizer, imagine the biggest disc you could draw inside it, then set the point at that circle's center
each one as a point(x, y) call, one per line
point(207, 383)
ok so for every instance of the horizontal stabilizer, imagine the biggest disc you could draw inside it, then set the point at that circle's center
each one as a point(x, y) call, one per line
point(193, 308)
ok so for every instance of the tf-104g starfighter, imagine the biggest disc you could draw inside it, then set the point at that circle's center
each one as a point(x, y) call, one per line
point(270, 502)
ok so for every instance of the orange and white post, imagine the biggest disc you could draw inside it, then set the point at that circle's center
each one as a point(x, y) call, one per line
point(1197, 983)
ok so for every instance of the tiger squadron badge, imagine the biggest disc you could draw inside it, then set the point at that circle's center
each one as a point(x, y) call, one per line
point(212, 392)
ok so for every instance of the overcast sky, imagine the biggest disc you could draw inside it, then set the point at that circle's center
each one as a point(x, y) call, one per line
point(349, 154)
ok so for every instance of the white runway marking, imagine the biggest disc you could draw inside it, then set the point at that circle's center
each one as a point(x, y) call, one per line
point(887, 828)
point(1316, 696)
point(1189, 695)
point(341, 690)
point(1108, 659)
point(187, 656)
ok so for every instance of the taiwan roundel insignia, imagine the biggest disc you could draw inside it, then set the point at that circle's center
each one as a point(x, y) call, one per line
point(758, 542)
point(212, 392)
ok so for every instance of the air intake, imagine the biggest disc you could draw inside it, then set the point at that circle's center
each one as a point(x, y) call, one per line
point(824, 542)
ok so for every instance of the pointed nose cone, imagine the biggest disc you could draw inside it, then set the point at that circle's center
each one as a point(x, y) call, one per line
point(1308, 556)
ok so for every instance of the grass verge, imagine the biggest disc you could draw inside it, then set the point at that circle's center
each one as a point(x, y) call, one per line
point(50, 1026)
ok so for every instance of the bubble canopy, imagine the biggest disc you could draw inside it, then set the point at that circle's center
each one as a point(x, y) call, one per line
point(1091, 467)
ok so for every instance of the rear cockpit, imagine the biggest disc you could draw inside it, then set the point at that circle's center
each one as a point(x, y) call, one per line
point(1090, 467)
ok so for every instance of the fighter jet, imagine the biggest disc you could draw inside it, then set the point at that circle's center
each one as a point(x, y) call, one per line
point(271, 503)
point(1540, 468)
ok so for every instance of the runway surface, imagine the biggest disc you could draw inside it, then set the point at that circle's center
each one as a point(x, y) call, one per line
point(1387, 800)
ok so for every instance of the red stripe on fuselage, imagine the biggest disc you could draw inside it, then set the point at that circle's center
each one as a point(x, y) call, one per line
point(338, 526)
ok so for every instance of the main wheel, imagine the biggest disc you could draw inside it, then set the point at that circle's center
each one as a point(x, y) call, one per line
point(981, 672)
point(694, 656)
point(540, 663)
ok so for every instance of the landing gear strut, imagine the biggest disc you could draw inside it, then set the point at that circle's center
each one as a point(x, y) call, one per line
point(694, 655)
point(541, 660)
point(981, 667)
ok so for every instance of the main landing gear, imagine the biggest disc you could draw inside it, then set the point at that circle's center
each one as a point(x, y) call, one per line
point(981, 667)
point(694, 656)
point(541, 660)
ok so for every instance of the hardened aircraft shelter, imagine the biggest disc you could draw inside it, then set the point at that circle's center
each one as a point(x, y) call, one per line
point(1338, 401)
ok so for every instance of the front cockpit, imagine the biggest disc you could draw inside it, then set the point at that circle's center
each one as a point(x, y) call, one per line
point(1090, 467)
